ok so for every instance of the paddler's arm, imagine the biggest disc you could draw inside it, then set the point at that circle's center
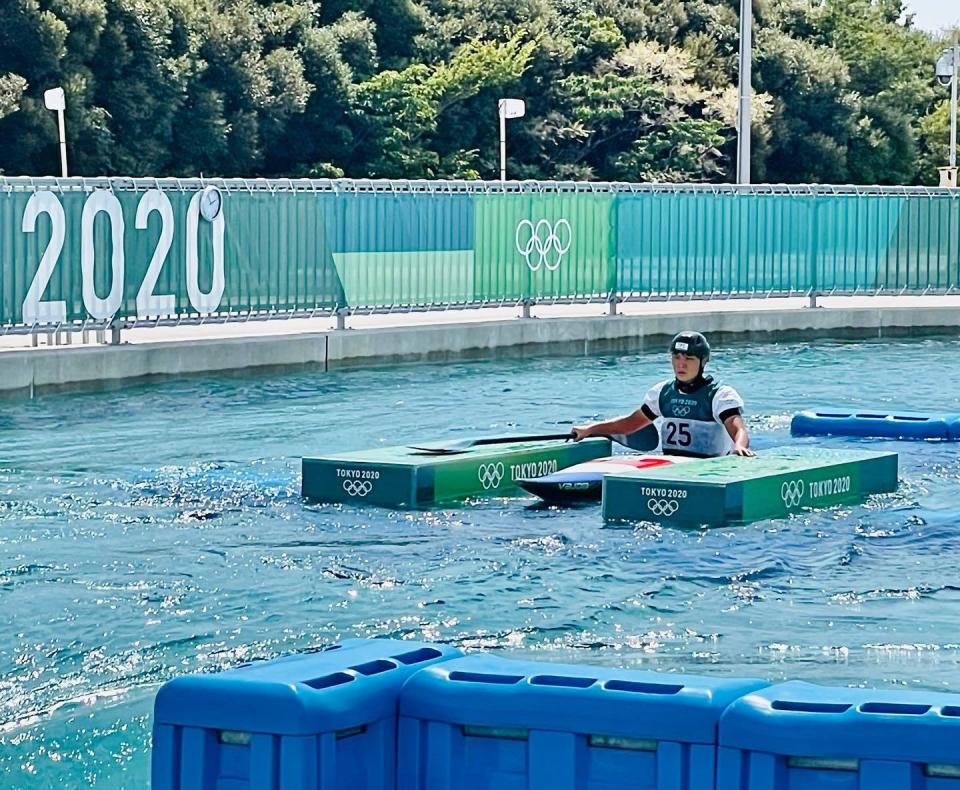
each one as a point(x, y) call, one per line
point(631, 423)
point(737, 429)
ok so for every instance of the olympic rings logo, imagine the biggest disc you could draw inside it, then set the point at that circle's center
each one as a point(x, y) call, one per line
point(357, 487)
point(543, 244)
point(791, 492)
point(663, 507)
point(680, 411)
point(490, 475)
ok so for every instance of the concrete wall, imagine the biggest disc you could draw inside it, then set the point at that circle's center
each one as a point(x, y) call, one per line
point(36, 369)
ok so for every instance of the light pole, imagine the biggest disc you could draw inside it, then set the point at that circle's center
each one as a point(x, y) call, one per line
point(743, 91)
point(947, 65)
point(54, 99)
point(507, 108)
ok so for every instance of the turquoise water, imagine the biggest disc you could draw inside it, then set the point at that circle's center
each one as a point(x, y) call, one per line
point(157, 529)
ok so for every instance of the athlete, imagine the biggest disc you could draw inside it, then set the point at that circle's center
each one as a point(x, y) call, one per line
point(699, 416)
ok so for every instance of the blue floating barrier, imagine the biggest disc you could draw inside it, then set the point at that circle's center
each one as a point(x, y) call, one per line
point(804, 737)
point(488, 722)
point(879, 424)
point(316, 721)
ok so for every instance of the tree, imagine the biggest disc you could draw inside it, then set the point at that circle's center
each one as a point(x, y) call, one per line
point(396, 113)
point(615, 89)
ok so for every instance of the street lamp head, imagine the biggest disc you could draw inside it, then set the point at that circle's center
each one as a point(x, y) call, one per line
point(54, 99)
point(944, 70)
point(512, 108)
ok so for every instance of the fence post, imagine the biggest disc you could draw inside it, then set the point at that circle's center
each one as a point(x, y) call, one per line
point(813, 250)
point(526, 305)
point(341, 315)
point(613, 249)
point(115, 327)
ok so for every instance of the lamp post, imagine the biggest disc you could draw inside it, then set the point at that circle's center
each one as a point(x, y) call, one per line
point(743, 91)
point(507, 108)
point(55, 100)
point(947, 65)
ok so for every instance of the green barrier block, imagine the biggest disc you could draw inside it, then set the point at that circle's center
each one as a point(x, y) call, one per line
point(405, 477)
point(732, 489)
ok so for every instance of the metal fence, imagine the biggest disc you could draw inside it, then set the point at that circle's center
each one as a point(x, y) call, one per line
point(79, 253)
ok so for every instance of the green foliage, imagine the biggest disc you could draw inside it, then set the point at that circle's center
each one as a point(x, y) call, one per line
point(615, 89)
point(12, 87)
point(398, 111)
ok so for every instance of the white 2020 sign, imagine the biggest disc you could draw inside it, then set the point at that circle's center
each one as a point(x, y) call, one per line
point(149, 303)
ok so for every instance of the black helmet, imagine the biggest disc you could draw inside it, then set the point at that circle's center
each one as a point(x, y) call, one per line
point(691, 344)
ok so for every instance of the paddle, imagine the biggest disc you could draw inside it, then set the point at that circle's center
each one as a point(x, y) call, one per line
point(465, 444)
point(641, 441)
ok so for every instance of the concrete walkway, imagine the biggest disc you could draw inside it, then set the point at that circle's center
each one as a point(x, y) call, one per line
point(380, 339)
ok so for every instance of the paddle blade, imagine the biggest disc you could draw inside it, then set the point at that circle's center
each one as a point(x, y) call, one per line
point(464, 445)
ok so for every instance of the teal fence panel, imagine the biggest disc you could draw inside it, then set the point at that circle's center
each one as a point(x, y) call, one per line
point(923, 249)
point(392, 248)
point(696, 242)
point(280, 256)
point(89, 252)
point(700, 243)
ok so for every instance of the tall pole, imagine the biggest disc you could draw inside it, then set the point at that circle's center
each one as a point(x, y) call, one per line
point(503, 144)
point(63, 142)
point(743, 92)
point(953, 102)
point(55, 99)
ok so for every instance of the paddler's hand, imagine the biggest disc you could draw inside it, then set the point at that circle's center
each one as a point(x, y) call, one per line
point(581, 432)
point(746, 452)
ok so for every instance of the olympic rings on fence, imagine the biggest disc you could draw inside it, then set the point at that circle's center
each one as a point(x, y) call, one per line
point(543, 244)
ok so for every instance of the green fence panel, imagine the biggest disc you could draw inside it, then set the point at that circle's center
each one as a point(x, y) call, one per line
point(543, 245)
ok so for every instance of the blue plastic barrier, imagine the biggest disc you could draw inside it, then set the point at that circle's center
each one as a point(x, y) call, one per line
point(804, 737)
point(498, 724)
point(892, 425)
point(316, 721)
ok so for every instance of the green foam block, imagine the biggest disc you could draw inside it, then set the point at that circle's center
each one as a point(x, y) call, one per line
point(405, 477)
point(731, 489)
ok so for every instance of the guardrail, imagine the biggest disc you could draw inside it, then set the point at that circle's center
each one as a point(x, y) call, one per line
point(120, 252)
